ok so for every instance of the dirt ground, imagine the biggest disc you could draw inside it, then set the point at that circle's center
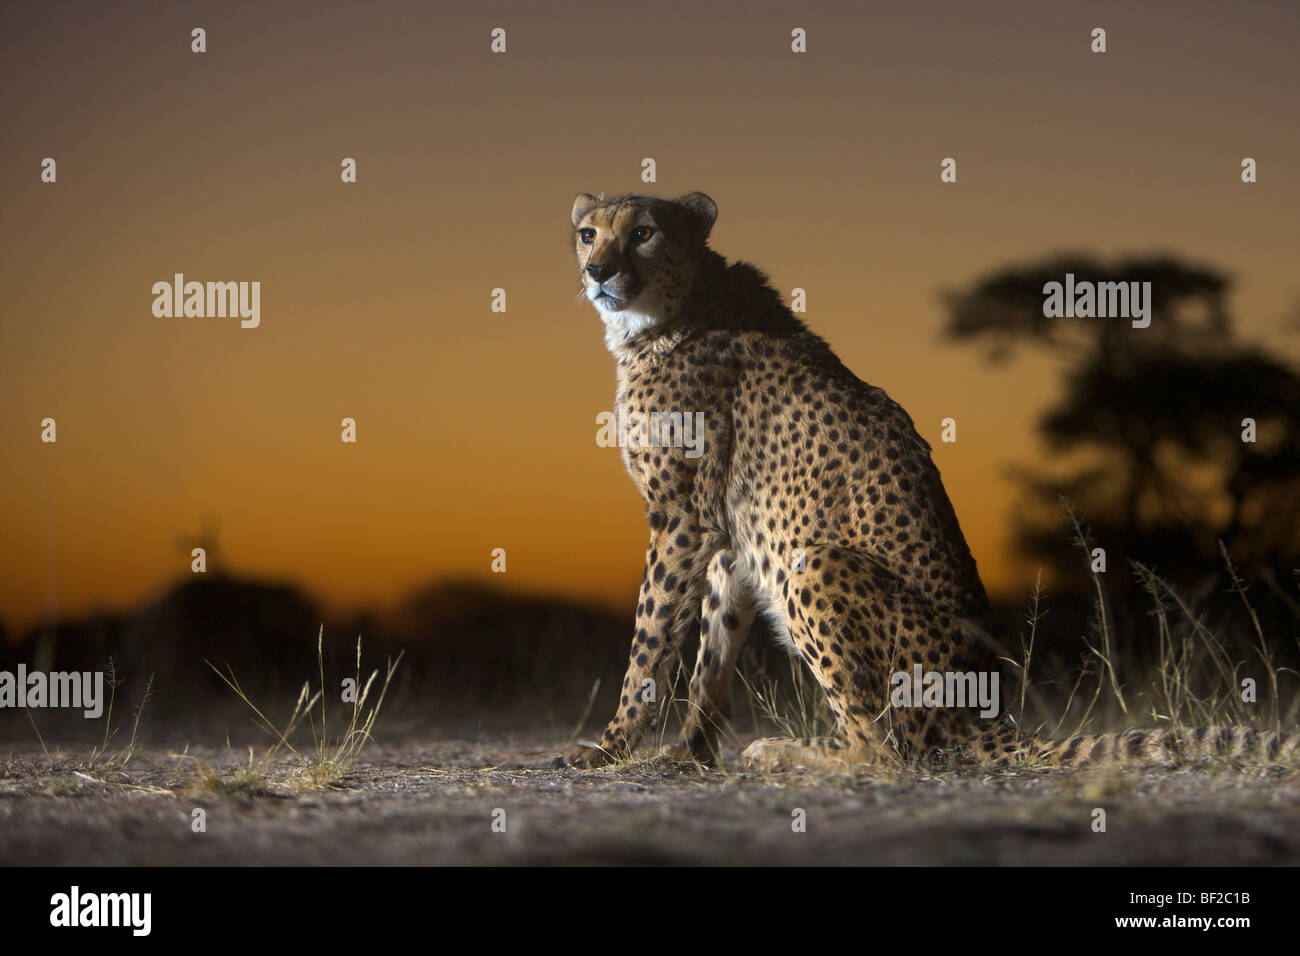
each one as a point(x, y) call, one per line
point(436, 802)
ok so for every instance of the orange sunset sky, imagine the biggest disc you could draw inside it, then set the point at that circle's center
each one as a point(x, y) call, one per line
point(477, 429)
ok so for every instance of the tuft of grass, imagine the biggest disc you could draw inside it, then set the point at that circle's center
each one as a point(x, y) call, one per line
point(102, 756)
point(1261, 646)
point(1194, 680)
point(241, 782)
point(799, 709)
point(327, 761)
point(1101, 626)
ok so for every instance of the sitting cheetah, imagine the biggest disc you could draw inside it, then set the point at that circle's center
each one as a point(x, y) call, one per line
point(807, 496)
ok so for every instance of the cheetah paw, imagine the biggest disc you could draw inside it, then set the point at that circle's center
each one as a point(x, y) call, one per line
point(583, 757)
point(683, 752)
point(776, 754)
point(767, 755)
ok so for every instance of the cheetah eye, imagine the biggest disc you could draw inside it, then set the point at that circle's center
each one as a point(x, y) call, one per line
point(588, 236)
point(642, 233)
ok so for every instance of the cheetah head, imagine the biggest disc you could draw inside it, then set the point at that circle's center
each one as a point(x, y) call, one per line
point(638, 256)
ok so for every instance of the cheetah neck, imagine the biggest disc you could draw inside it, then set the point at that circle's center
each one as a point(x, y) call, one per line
point(622, 327)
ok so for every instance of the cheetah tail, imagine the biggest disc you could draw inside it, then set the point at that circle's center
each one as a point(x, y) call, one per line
point(1149, 748)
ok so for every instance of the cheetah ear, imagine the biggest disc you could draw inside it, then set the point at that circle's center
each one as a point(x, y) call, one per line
point(704, 209)
point(583, 203)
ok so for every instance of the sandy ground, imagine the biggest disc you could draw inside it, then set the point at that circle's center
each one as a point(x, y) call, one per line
point(435, 803)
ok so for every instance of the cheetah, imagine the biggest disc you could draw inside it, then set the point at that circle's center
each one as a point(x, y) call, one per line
point(810, 500)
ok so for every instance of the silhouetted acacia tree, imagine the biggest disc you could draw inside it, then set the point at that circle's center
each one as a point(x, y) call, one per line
point(1149, 430)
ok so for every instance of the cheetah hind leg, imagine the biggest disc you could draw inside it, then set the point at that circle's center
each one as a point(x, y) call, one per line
point(725, 619)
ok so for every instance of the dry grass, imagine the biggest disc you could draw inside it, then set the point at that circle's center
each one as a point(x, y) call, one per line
point(1194, 681)
point(327, 761)
point(798, 708)
point(103, 757)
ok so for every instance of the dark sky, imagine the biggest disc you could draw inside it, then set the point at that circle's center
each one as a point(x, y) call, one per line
point(477, 429)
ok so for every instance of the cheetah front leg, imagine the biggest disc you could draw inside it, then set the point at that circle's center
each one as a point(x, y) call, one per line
point(726, 614)
point(667, 610)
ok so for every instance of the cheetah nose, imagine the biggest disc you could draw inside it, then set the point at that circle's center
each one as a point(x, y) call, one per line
point(600, 273)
